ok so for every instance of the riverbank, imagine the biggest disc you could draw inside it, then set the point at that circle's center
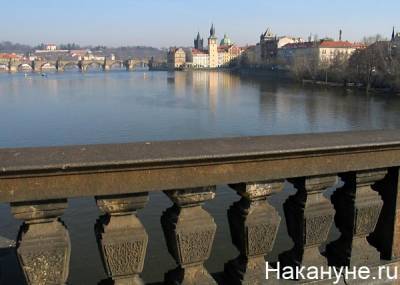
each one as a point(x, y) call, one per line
point(285, 75)
point(349, 85)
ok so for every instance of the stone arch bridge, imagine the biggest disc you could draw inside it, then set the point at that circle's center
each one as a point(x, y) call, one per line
point(60, 65)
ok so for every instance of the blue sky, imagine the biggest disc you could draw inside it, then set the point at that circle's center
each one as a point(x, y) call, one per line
point(163, 23)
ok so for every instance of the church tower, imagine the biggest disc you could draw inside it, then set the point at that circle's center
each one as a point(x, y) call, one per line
point(198, 42)
point(213, 48)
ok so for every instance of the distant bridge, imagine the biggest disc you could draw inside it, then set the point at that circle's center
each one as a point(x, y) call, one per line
point(61, 65)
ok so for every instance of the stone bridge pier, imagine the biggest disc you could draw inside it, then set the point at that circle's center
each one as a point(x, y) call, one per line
point(12, 67)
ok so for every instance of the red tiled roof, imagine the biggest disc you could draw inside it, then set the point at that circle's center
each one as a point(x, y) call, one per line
point(9, 55)
point(340, 44)
point(324, 44)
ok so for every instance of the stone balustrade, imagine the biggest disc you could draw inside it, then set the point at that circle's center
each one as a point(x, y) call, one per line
point(37, 183)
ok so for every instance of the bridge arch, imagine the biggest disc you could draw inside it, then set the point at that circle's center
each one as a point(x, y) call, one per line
point(24, 66)
point(118, 63)
point(89, 64)
point(48, 65)
point(69, 65)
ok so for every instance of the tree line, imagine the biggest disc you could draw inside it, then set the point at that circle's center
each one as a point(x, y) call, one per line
point(375, 67)
point(142, 52)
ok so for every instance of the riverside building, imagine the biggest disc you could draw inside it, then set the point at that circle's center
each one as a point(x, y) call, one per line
point(324, 51)
point(176, 58)
point(216, 55)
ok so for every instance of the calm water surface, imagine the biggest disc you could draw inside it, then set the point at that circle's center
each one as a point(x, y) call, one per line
point(116, 107)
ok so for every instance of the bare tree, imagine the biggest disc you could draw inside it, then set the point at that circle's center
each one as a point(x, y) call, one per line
point(305, 67)
point(373, 66)
point(369, 40)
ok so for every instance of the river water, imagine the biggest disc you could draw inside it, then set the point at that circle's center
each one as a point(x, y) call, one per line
point(117, 107)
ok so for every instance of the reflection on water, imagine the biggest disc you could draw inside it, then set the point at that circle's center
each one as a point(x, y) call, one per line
point(115, 107)
point(98, 107)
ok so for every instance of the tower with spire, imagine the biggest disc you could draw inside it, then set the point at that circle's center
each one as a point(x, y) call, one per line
point(212, 31)
point(198, 42)
point(213, 48)
point(393, 34)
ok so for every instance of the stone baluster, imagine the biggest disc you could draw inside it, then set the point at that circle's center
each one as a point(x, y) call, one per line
point(189, 233)
point(43, 244)
point(357, 212)
point(386, 237)
point(121, 237)
point(253, 224)
point(309, 217)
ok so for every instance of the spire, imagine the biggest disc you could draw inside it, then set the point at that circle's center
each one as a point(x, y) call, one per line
point(340, 35)
point(212, 31)
point(393, 34)
point(198, 42)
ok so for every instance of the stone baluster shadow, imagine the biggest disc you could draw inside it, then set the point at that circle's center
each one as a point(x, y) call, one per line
point(309, 217)
point(357, 212)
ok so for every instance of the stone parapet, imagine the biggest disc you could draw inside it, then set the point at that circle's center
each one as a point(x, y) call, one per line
point(360, 168)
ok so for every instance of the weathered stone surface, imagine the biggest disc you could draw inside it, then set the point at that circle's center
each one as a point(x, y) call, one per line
point(357, 212)
point(189, 233)
point(253, 225)
point(192, 196)
point(43, 244)
point(121, 237)
point(309, 216)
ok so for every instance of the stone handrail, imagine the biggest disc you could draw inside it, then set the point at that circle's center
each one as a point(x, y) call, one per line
point(38, 181)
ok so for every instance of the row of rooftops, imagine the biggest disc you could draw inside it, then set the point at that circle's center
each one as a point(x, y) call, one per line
point(300, 45)
point(223, 48)
point(268, 35)
point(324, 44)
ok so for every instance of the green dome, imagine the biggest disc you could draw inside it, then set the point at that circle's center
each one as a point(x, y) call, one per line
point(226, 41)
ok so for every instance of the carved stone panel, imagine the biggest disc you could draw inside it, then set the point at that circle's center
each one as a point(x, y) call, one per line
point(124, 251)
point(253, 225)
point(189, 233)
point(121, 237)
point(195, 246)
point(43, 244)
